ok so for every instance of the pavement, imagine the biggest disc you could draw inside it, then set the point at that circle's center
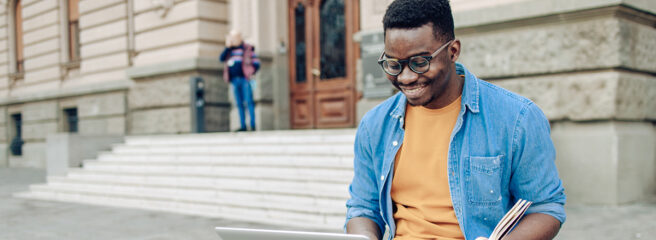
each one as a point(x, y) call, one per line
point(33, 219)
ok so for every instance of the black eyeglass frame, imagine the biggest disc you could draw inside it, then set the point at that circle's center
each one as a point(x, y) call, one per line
point(404, 62)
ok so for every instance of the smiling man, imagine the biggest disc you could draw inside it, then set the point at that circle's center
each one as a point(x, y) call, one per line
point(450, 154)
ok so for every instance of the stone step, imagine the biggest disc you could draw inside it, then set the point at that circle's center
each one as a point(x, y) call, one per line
point(300, 188)
point(249, 159)
point(290, 178)
point(255, 172)
point(320, 148)
point(237, 197)
point(206, 208)
point(288, 137)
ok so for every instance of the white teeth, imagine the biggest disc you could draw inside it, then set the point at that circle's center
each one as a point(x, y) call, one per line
point(413, 90)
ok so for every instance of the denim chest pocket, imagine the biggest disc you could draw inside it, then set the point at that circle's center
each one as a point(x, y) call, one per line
point(485, 179)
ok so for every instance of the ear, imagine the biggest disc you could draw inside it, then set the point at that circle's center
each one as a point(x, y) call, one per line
point(454, 50)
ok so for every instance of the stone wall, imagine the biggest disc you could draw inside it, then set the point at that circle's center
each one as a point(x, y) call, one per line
point(160, 101)
point(589, 65)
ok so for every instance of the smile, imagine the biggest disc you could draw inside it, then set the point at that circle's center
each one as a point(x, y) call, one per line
point(415, 90)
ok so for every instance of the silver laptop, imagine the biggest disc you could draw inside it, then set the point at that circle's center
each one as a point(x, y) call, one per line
point(257, 234)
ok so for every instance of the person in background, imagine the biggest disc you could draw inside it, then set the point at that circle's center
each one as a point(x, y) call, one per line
point(450, 154)
point(240, 64)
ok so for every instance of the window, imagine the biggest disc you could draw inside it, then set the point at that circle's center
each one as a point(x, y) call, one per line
point(16, 146)
point(71, 120)
point(73, 31)
point(18, 22)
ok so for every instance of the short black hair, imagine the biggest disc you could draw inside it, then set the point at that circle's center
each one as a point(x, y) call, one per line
point(408, 14)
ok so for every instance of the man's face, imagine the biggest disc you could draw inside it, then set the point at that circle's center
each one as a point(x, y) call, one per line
point(420, 89)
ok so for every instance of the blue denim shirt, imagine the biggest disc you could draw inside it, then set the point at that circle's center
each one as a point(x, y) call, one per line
point(500, 151)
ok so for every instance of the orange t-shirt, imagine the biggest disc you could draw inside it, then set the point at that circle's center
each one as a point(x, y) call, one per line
point(420, 188)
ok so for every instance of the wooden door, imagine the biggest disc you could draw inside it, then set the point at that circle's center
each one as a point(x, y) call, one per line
point(322, 63)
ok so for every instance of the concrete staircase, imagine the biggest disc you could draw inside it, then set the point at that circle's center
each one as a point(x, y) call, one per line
point(290, 178)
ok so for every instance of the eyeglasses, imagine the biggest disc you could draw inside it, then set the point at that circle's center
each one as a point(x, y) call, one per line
point(418, 64)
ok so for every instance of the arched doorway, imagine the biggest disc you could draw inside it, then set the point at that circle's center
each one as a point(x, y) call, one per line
point(322, 62)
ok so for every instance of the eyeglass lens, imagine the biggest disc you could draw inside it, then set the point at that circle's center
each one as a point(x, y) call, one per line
point(417, 64)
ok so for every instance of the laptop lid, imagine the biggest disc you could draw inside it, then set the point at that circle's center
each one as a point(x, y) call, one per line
point(257, 234)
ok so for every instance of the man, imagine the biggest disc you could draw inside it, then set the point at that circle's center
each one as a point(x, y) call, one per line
point(241, 64)
point(450, 154)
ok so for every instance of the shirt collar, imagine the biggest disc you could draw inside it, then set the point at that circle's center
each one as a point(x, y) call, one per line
point(470, 94)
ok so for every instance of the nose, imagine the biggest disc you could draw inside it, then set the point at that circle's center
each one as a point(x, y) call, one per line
point(407, 76)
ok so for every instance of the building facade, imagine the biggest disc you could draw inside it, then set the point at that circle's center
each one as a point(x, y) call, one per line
point(127, 67)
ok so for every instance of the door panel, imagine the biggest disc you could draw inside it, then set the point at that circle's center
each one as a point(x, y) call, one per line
point(333, 108)
point(322, 62)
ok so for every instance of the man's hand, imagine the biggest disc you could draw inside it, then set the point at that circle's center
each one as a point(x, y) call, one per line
point(363, 226)
point(536, 226)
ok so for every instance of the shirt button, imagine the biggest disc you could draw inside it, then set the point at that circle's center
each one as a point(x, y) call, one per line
point(382, 177)
point(395, 143)
point(491, 191)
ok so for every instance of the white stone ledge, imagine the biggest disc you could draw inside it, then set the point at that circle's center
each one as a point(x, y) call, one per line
point(67, 92)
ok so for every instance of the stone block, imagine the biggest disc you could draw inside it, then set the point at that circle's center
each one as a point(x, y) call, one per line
point(217, 119)
point(606, 163)
point(159, 121)
point(42, 75)
point(4, 157)
point(102, 126)
point(104, 15)
point(589, 95)
point(3, 134)
point(212, 31)
point(3, 116)
point(112, 45)
point(4, 58)
point(569, 46)
point(40, 8)
point(104, 77)
point(34, 156)
point(171, 90)
point(51, 59)
point(41, 34)
point(171, 54)
point(114, 29)
point(39, 111)
point(216, 90)
point(38, 131)
point(44, 19)
point(89, 6)
point(636, 160)
point(101, 105)
point(264, 116)
point(109, 62)
point(179, 33)
point(638, 50)
point(217, 11)
point(182, 11)
point(41, 47)
point(69, 150)
point(264, 82)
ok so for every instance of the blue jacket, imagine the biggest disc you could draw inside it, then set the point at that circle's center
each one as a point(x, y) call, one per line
point(500, 151)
